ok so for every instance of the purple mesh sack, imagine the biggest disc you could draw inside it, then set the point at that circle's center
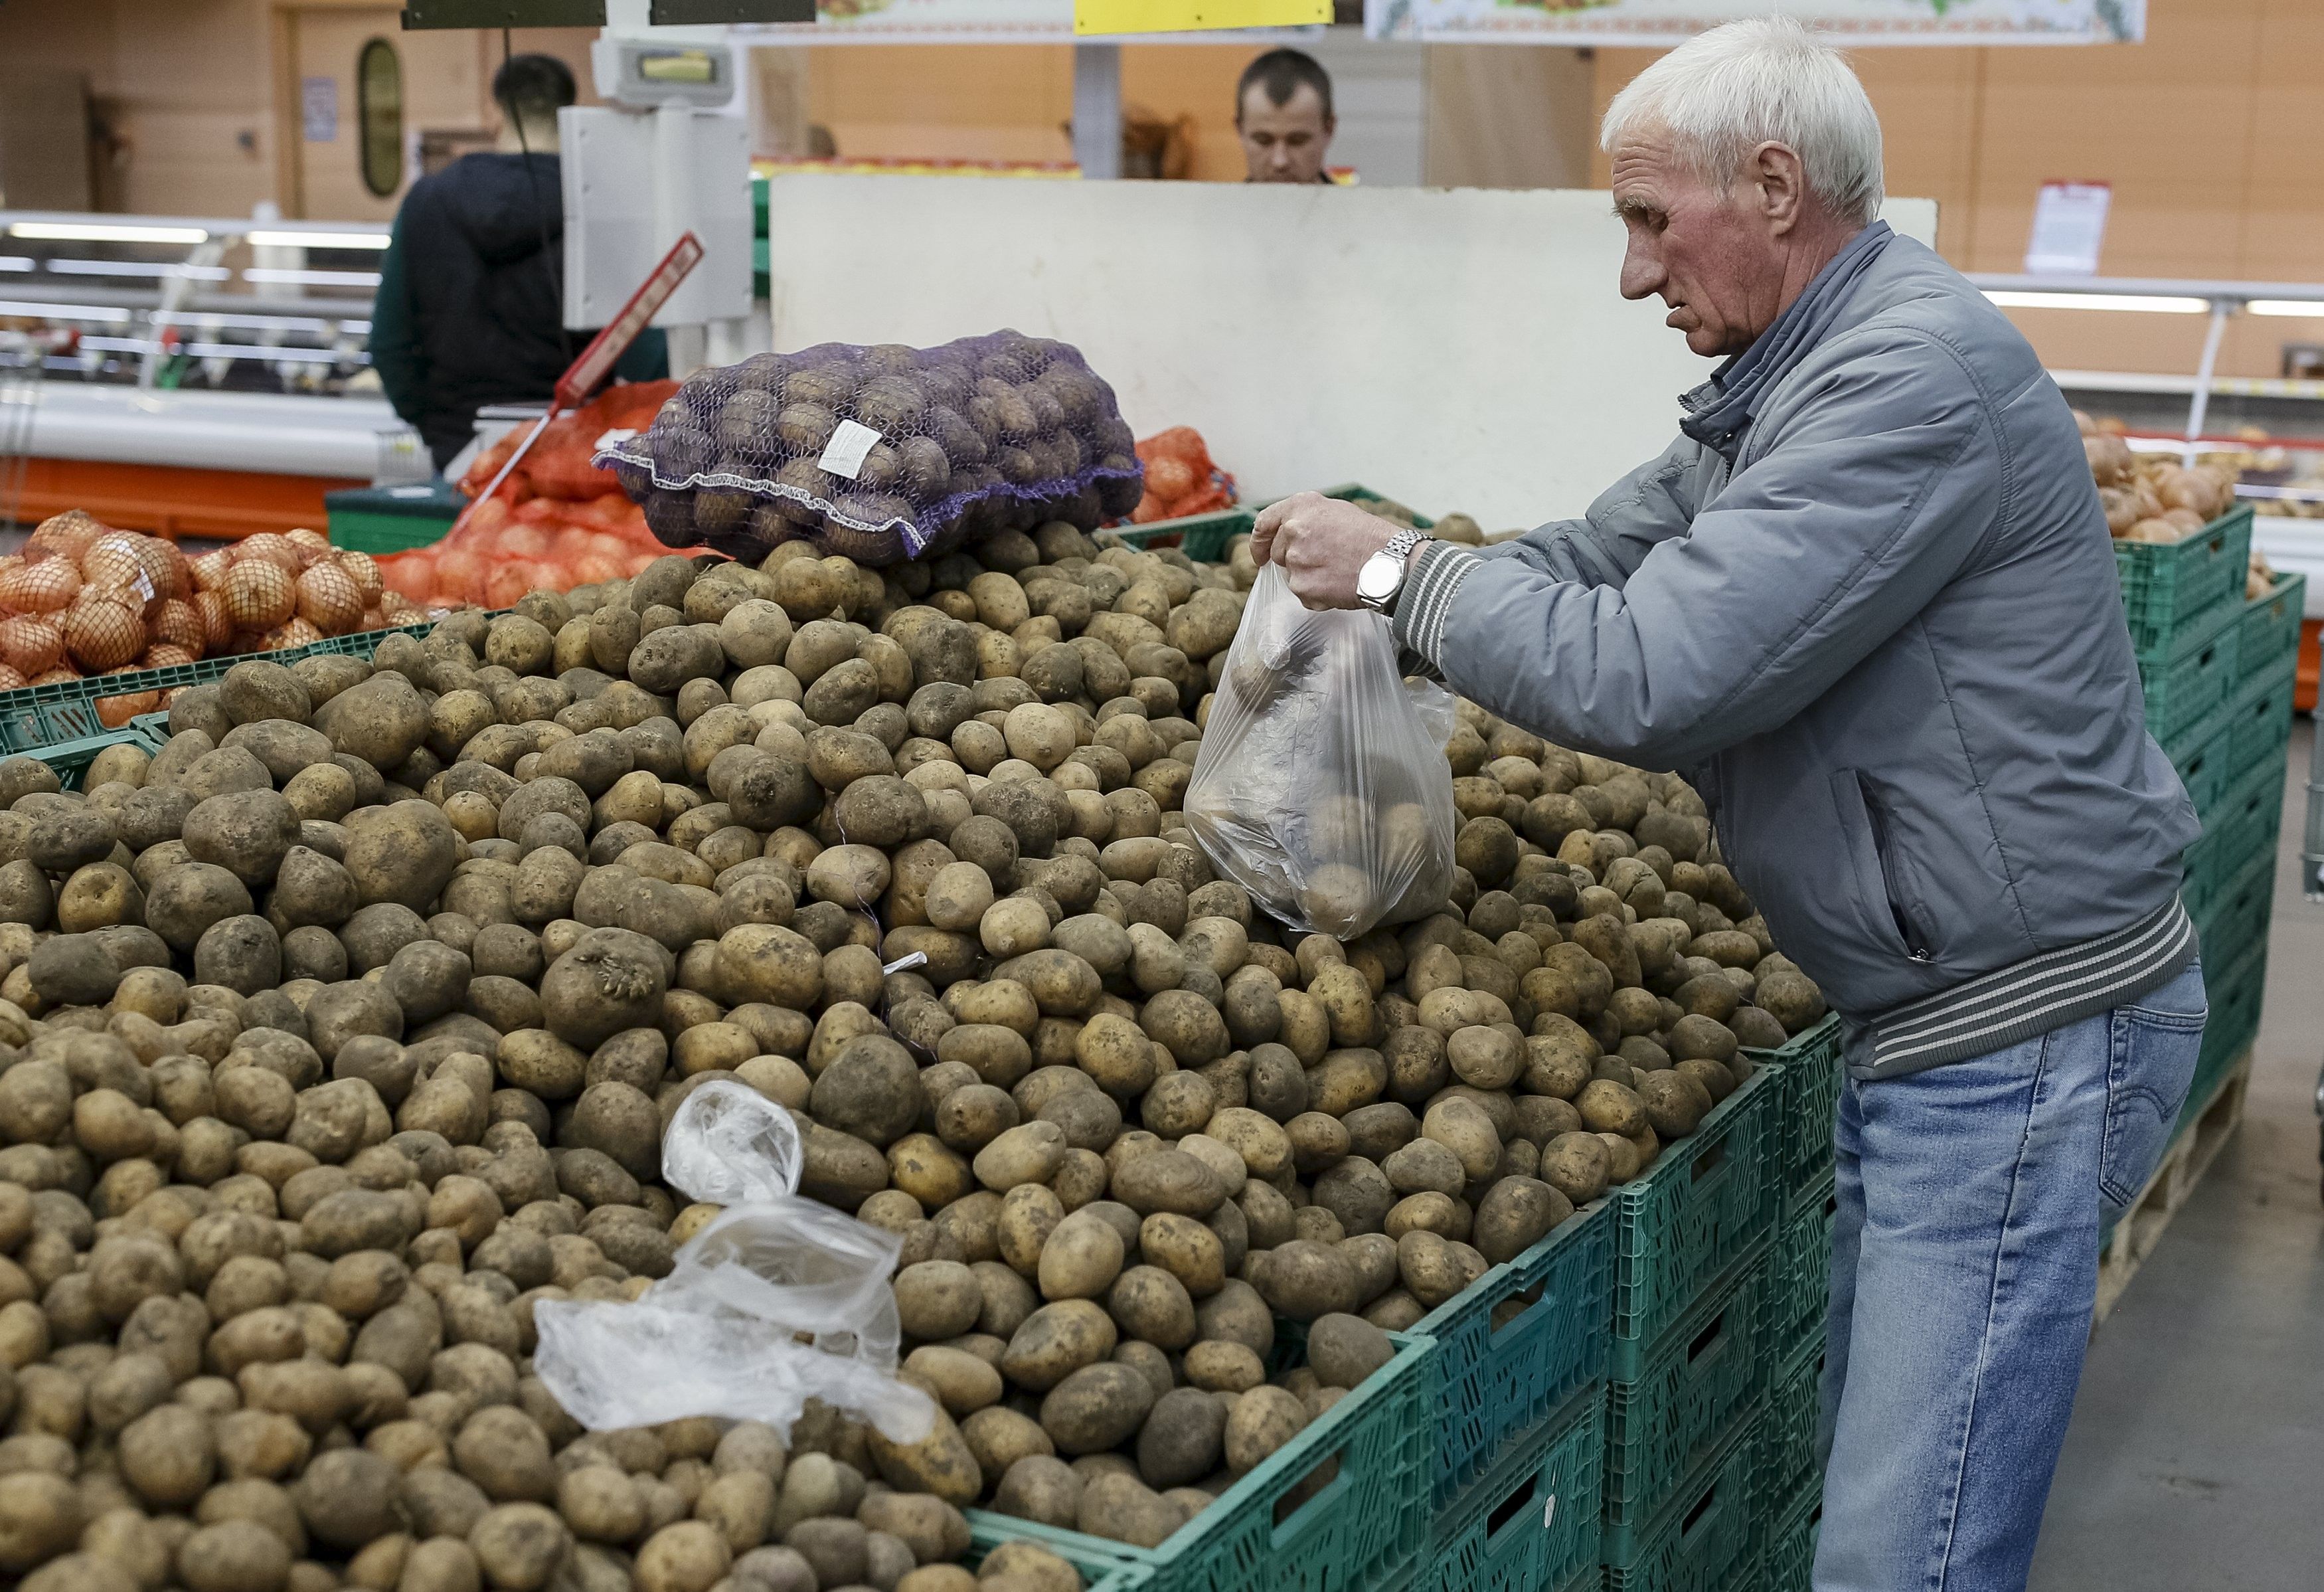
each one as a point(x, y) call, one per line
point(883, 453)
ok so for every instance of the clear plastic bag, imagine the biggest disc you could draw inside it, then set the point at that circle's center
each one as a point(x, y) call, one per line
point(1321, 787)
point(882, 453)
point(777, 1300)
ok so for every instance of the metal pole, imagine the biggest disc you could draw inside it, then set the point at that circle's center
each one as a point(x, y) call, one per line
point(1097, 109)
point(2221, 308)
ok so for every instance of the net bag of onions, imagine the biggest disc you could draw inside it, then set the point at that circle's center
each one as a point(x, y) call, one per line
point(1320, 784)
point(884, 453)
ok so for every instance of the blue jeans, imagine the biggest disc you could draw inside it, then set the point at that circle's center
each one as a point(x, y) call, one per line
point(1964, 1273)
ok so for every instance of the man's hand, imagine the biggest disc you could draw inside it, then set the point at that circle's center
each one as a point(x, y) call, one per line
point(1322, 542)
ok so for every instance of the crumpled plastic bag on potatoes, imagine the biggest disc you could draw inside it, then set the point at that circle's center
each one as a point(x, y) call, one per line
point(777, 1300)
point(1321, 787)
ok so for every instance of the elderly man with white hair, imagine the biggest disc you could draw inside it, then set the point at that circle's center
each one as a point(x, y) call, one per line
point(1867, 603)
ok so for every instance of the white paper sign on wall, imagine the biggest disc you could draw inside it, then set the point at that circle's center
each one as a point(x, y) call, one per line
point(2069, 233)
point(318, 109)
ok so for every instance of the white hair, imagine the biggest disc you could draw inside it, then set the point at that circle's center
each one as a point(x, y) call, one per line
point(1728, 90)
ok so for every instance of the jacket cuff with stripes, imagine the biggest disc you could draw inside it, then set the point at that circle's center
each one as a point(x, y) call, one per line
point(1438, 568)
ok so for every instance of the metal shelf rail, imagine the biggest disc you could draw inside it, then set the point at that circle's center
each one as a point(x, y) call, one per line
point(2221, 300)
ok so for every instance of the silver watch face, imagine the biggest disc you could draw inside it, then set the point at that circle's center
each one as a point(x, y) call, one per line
point(1378, 581)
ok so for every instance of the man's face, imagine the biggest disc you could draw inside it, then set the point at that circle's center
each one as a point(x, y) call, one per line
point(1709, 255)
point(1284, 143)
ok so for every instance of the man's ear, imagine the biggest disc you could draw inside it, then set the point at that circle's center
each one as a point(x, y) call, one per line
point(1781, 184)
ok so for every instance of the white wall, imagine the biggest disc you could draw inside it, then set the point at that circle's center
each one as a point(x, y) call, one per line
point(1455, 348)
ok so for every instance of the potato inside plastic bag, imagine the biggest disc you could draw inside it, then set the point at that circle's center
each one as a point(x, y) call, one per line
point(778, 1301)
point(1321, 787)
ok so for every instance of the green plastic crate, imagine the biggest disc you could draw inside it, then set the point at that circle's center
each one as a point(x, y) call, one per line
point(1787, 1421)
point(41, 716)
point(2248, 821)
point(1499, 1378)
point(2234, 990)
point(2167, 587)
point(2204, 755)
point(1355, 492)
point(2259, 717)
point(1704, 1532)
point(1788, 1562)
point(1202, 538)
point(2236, 920)
point(1799, 1156)
point(1531, 1523)
point(1346, 1504)
point(1796, 1291)
point(392, 519)
point(1666, 1415)
point(71, 759)
point(2270, 628)
point(32, 716)
point(2198, 675)
point(1103, 1568)
point(1683, 1225)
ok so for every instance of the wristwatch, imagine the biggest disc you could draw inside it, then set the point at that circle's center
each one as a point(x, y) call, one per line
point(1381, 579)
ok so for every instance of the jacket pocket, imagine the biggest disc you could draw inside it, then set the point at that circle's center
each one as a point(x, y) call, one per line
point(1904, 902)
point(1861, 828)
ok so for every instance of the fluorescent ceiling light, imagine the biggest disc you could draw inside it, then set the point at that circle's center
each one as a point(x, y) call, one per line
point(2302, 308)
point(109, 232)
point(266, 273)
point(137, 268)
point(16, 263)
point(318, 240)
point(64, 311)
point(2135, 303)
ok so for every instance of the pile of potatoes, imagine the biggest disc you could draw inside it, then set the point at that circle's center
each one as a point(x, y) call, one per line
point(343, 1031)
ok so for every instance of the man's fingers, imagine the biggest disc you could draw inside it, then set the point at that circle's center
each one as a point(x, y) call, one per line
point(1263, 530)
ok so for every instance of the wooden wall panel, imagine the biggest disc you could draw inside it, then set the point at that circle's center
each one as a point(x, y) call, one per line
point(2208, 133)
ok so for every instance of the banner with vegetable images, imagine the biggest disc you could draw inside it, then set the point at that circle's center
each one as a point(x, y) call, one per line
point(1652, 22)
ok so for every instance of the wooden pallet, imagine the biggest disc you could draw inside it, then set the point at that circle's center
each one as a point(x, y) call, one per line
point(2140, 1228)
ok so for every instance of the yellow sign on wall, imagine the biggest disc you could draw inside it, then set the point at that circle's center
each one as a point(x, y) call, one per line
point(1180, 16)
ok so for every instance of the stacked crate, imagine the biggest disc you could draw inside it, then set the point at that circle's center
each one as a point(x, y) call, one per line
point(2219, 671)
point(2231, 871)
point(1786, 1488)
point(1684, 1389)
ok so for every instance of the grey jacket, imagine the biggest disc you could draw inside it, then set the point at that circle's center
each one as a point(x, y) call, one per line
point(1885, 639)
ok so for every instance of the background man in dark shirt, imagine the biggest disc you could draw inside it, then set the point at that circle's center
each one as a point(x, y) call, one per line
point(471, 295)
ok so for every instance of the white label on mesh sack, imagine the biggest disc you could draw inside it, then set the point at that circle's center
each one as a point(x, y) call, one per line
point(144, 585)
point(613, 437)
point(844, 454)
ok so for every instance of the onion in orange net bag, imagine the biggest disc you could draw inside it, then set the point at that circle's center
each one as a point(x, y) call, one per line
point(210, 570)
point(30, 644)
point(329, 598)
point(102, 631)
point(48, 586)
point(217, 619)
point(259, 593)
point(64, 536)
point(179, 623)
point(271, 546)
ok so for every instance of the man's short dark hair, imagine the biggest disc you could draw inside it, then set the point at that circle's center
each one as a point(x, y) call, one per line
point(533, 87)
point(1281, 72)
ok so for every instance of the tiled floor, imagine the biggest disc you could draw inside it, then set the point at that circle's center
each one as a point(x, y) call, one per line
point(2196, 1459)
